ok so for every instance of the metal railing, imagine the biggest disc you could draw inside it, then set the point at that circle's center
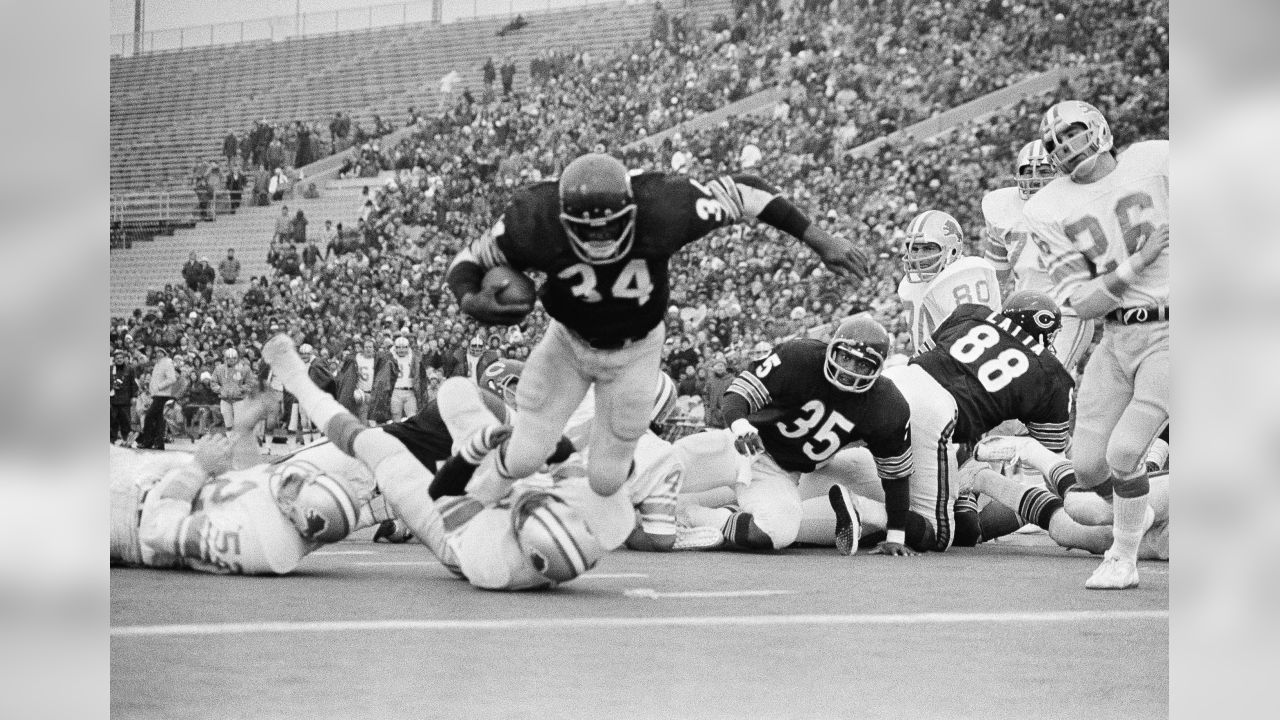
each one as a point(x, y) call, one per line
point(327, 23)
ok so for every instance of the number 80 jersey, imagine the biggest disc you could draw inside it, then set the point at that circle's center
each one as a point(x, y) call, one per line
point(997, 372)
point(803, 419)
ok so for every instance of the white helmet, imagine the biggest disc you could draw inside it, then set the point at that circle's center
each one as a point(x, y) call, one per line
point(554, 537)
point(933, 242)
point(1034, 169)
point(322, 508)
point(1078, 152)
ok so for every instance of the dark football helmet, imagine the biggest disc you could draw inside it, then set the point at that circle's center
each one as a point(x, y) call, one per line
point(1034, 312)
point(597, 208)
point(856, 354)
point(501, 378)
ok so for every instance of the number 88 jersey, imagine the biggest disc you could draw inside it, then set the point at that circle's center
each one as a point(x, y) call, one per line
point(997, 372)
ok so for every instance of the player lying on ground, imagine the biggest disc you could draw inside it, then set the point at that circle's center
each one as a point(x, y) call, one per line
point(220, 510)
point(531, 539)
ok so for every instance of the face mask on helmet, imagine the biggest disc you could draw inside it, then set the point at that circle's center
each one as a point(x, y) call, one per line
point(597, 208)
point(1075, 134)
point(933, 243)
point(321, 508)
point(1034, 169)
point(554, 537)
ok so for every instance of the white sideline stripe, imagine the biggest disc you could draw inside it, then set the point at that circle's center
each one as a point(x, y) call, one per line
point(344, 552)
point(609, 576)
point(397, 562)
point(652, 594)
point(636, 622)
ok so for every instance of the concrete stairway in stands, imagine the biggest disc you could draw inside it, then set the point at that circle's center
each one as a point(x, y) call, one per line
point(155, 263)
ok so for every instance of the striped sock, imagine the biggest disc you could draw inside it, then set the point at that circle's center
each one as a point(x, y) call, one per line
point(1038, 506)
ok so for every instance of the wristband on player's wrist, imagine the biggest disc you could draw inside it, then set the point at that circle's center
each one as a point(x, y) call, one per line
point(1127, 272)
point(896, 536)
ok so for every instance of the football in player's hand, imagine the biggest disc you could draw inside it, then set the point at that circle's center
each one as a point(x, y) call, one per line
point(512, 285)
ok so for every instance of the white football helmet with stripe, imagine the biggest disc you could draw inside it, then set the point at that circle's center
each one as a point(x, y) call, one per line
point(1034, 169)
point(1075, 133)
point(934, 241)
point(554, 537)
point(322, 508)
point(664, 400)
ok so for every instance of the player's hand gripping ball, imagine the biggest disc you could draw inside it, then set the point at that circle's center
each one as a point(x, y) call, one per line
point(510, 286)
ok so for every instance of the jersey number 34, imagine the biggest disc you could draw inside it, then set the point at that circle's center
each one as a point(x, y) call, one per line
point(997, 372)
point(633, 282)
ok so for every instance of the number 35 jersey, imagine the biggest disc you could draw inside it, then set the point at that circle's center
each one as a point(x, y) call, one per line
point(803, 419)
point(967, 280)
point(997, 372)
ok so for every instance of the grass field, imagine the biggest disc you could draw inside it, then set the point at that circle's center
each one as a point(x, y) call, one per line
point(364, 630)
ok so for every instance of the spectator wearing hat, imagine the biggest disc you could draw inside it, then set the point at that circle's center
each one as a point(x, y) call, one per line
point(124, 385)
point(164, 378)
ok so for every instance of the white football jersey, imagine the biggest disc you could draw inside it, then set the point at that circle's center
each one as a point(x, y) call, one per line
point(1087, 230)
point(967, 280)
point(1007, 243)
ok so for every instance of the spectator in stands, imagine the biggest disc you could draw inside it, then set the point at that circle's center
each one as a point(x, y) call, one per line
point(235, 186)
point(284, 226)
point(717, 383)
point(298, 228)
point(206, 279)
point(406, 379)
point(231, 148)
point(508, 76)
point(191, 272)
point(204, 199)
point(517, 23)
point(278, 184)
point(229, 268)
point(161, 387)
point(310, 256)
point(660, 30)
point(124, 385)
point(488, 73)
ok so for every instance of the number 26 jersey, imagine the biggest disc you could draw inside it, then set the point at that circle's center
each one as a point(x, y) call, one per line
point(997, 372)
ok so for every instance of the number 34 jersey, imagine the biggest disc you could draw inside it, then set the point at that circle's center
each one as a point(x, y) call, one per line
point(997, 372)
point(803, 419)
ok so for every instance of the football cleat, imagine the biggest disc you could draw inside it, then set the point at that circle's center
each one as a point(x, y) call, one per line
point(1115, 573)
point(392, 531)
point(848, 521)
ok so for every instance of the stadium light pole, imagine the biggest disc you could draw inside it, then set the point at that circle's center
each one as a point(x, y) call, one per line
point(139, 10)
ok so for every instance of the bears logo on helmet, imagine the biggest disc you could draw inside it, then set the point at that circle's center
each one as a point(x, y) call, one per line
point(1035, 312)
point(501, 378)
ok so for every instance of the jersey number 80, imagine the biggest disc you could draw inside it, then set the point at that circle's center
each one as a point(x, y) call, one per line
point(996, 373)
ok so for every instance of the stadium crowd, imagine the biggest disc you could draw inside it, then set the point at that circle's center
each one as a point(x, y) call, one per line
point(850, 76)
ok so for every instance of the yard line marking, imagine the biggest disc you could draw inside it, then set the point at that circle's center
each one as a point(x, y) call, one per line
point(652, 594)
point(345, 552)
point(556, 623)
point(611, 576)
point(398, 562)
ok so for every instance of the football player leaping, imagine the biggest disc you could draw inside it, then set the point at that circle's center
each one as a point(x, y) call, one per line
point(1013, 251)
point(939, 277)
point(604, 238)
point(1105, 227)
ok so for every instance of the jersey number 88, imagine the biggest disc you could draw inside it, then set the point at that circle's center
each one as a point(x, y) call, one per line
point(994, 374)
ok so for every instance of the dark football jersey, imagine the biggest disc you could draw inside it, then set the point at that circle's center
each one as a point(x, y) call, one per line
point(427, 436)
point(803, 419)
point(997, 372)
point(609, 303)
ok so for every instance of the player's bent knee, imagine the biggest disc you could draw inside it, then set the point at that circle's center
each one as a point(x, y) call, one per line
point(1123, 459)
point(779, 529)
